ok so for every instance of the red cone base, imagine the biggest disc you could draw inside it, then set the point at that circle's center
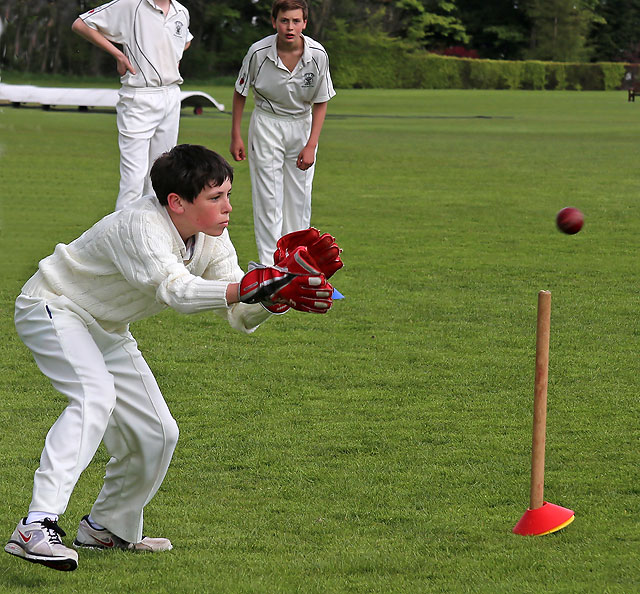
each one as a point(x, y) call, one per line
point(544, 520)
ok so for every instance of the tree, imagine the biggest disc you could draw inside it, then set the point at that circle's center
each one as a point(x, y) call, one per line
point(37, 37)
point(559, 29)
point(499, 29)
point(223, 31)
point(616, 36)
point(320, 14)
point(431, 24)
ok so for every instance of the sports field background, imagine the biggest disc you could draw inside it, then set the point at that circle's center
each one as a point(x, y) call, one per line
point(385, 446)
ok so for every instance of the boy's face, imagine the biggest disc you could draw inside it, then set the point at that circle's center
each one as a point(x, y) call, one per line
point(209, 212)
point(289, 26)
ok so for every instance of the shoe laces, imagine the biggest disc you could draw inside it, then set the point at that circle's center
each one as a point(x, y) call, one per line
point(54, 531)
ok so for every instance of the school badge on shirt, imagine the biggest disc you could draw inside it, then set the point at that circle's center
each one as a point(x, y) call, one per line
point(308, 80)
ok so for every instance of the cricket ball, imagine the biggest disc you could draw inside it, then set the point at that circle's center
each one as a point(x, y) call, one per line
point(569, 220)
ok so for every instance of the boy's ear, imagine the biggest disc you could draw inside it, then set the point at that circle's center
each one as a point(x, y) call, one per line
point(175, 203)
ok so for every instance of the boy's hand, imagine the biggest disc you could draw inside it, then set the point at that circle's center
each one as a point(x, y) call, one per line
point(273, 286)
point(237, 149)
point(306, 158)
point(323, 249)
point(124, 66)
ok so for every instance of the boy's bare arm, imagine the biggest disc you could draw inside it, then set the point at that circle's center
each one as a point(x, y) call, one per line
point(99, 40)
point(232, 293)
point(237, 145)
point(307, 155)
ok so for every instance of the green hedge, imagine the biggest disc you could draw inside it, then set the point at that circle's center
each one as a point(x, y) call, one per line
point(368, 61)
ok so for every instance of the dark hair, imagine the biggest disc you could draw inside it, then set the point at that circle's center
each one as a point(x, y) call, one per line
point(186, 169)
point(284, 5)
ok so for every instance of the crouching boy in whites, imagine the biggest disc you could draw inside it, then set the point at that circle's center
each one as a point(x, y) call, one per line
point(74, 314)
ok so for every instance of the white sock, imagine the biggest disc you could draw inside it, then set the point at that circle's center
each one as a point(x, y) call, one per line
point(36, 516)
point(94, 524)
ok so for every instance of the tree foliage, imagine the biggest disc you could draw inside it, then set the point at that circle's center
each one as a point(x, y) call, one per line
point(498, 29)
point(36, 34)
point(431, 24)
point(616, 36)
point(559, 29)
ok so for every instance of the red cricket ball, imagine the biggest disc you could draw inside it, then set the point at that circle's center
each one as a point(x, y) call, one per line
point(569, 220)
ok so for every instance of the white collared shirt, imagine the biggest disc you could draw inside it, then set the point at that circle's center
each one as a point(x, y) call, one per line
point(153, 42)
point(276, 89)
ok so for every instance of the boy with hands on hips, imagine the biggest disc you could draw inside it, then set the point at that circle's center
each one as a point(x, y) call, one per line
point(171, 249)
point(147, 39)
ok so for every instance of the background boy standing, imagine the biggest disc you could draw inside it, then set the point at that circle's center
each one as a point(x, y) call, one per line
point(168, 250)
point(153, 36)
point(289, 74)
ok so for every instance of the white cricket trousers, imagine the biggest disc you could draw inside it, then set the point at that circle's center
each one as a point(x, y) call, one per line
point(112, 397)
point(281, 192)
point(148, 120)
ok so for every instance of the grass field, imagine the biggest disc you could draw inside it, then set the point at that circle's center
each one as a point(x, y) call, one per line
point(384, 447)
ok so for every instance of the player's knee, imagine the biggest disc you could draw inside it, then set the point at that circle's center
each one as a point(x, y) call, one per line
point(159, 444)
point(171, 434)
point(166, 437)
point(99, 403)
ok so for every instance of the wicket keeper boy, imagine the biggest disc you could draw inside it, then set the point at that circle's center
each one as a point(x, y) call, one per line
point(171, 249)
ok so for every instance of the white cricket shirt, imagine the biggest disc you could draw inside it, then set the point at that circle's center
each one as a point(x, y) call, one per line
point(153, 43)
point(276, 89)
point(133, 264)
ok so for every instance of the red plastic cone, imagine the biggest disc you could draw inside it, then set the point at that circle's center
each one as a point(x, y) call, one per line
point(544, 520)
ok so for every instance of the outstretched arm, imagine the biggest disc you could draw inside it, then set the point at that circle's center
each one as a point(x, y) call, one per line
point(99, 40)
point(308, 154)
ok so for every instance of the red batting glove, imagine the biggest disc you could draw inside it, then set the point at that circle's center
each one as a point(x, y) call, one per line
point(290, 241)
point(262, 282)
point(274, 287)
point(299, 261)
point(311, 294)
point(322, 249)
point(326, 253)
point(276, 308)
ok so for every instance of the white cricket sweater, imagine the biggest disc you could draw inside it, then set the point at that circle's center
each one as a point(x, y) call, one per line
point(130, 265)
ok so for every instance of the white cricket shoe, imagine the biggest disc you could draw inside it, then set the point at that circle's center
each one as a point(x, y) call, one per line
point(92, 538)
point(39, 542)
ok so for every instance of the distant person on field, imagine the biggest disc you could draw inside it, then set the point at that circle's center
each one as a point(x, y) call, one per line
point(171, 249)
point(289, 74)
point(153, 36)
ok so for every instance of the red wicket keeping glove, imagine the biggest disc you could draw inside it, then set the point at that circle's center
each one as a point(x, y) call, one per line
point(274, 287)
point(322, 249)
point(299, 261)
